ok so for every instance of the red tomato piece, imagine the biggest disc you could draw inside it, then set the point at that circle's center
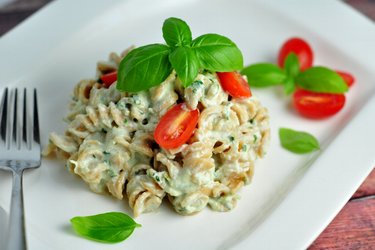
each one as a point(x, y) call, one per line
point(176, 126)
point(317, 105)
point(347, 77)
point(109, 78)
point(301, 48)
point(234, 84)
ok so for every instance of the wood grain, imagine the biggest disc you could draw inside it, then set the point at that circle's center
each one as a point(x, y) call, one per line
point(367, 188)
point(353, 227)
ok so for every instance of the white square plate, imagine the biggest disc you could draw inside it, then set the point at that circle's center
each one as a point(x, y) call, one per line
point(292, 197)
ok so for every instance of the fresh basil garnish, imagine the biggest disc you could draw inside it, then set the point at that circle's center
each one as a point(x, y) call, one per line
point(298, 141)
point(321, 79)
point(264, 74)
point(150, 65)
point(217, 53)
point(289, 86)
point(184, 60)
point(110, 227)
point(291, 65)
point(144, 67)
point(176, 32)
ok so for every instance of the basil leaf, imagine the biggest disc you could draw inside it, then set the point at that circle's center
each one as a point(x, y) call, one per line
point(108, 227)
point(291, 65)
point(263, 74)
point(176, 32)
point(185, 62)
point(322, 80)
point(289, 86)
point(143, 68)
point(217, 53)
point(297, 141)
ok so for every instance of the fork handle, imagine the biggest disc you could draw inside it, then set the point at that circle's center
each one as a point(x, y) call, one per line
point(17, 236)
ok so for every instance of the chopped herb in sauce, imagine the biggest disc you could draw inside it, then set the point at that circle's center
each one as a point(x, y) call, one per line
point(196, 84)
point(231, 138)
point(111, 173)
point(255, 138)
point(136, 99)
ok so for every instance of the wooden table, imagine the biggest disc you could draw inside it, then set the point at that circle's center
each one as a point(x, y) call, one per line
point(352, 228)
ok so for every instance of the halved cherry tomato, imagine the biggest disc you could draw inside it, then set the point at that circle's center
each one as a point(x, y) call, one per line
point(176, 126)
point(109, 78)
point(348, 78)
point(301, 48)
point(317, 105)
point(234, 84)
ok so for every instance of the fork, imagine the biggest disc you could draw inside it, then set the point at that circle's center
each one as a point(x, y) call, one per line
point(19, 150)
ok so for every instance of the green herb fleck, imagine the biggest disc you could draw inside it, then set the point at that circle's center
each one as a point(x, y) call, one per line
point(111, 173)
point(196, 84)
point(255, 138)
point(231, 138)
point(136, 99)
point(106, 152)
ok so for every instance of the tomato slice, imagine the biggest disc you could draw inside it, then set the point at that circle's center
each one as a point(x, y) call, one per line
point(234, 84)
point(176, 126)
point(109, 78)
point(317, 105)
point(347, 77)
point(301, 48)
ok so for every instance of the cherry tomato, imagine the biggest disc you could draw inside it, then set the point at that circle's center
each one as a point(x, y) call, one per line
point(109, 78)
point(317, 105)
point(348, 78)
point(176, 126)
point(301, 48)
point(234, 84)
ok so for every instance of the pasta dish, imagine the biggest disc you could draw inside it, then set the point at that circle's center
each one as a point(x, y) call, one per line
point(109, 142)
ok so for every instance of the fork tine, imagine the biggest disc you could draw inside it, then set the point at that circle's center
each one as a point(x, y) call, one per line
point(36, 134)
point(4, 115)
point(24, 119)
point(15, 119)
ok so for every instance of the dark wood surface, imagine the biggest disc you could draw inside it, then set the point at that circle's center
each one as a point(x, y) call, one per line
point(353, 228)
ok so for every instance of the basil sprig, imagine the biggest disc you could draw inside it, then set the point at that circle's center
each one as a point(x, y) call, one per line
point(144, 68)
point(264, 74)
point(321, 79)
point(109, 227)
point(150, 65)
point(298, 141)
point(316, 79)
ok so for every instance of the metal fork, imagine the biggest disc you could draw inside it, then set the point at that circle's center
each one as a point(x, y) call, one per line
point(19, 150)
